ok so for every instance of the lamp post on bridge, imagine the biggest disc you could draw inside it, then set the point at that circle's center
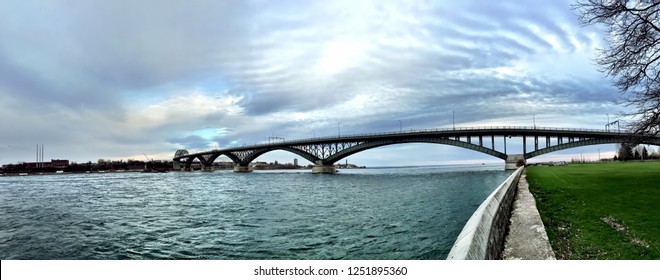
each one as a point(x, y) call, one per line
point(452, 120)
point(400, 126)
point(534, 120)
point(607, 126)
point(618, 126)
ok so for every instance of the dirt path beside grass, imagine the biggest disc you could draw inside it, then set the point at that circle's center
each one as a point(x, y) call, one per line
point(526, 238)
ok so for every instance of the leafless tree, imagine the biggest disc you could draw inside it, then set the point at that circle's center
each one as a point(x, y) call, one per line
point(632, 57)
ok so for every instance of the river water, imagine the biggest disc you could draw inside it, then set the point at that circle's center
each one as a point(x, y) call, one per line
point(388, 213)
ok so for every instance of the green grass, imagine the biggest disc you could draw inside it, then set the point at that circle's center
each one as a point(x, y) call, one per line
point(600, 211)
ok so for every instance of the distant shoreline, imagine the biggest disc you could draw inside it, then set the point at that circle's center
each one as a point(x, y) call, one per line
point(71, 172)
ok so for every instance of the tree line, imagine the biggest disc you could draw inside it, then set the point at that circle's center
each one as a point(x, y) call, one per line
point(100, 165)
point(627, 152)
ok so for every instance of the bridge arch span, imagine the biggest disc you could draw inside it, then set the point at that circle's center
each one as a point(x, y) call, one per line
point(231, 156)
point(254, 155)
point(374, 144)
point(586, 142)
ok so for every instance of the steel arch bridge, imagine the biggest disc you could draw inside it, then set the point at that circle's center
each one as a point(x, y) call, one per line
point(325, 151)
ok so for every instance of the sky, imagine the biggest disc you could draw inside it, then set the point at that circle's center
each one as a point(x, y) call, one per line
point(118, 79)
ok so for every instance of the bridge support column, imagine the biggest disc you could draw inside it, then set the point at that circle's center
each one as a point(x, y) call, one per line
point(242, 169)
point(207, 168)
point(324, 169)
point(319, 168)
point(186, 169)
point(514, 161)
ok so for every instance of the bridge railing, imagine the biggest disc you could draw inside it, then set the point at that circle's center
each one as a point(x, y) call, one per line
point(441, 130)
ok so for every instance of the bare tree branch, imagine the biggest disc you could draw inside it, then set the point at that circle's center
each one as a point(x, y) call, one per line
point(632, 58)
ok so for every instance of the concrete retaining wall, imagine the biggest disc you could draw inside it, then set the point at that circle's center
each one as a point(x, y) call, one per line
point(482, 237)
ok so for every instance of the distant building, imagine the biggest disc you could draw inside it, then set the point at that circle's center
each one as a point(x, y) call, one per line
point(59, 162)
point(56, 163)
point(295, 161)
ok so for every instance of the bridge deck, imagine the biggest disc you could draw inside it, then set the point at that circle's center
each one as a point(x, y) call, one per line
point(514, 131)
point(324, 151)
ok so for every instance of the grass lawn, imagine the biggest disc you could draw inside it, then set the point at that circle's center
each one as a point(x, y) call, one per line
point(600, 211)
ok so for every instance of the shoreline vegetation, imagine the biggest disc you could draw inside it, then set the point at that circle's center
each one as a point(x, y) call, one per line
point(600, 211)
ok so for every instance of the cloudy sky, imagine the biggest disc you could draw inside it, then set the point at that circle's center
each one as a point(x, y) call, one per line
point(115, 79)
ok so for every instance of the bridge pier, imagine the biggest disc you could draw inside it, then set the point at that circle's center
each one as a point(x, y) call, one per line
point(513, 161)
point(207, 168)
point(242, 169)
point(186, 169)
point(324, 169)
point(320, 168)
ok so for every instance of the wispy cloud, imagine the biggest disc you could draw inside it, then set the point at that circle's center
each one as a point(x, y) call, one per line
point(126, 77)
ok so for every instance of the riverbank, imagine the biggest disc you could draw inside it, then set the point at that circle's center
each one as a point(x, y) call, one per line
point(600, 211)
point(74, 172)
point(483, 236)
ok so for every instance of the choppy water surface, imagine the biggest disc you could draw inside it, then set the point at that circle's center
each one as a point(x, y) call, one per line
point(393, 213)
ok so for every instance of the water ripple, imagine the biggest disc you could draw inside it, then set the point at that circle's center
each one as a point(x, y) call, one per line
point(404, 213)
